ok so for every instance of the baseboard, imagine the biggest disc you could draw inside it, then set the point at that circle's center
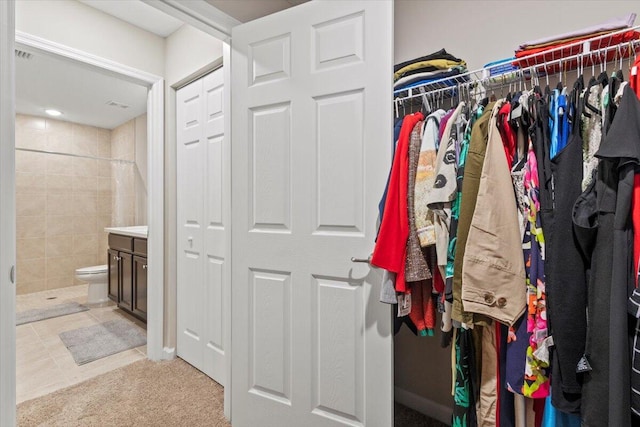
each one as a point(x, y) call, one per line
point(168, 353)
point(423, 405)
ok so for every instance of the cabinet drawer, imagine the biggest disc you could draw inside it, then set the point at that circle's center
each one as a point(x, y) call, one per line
point(120, 243)
point(140, 246)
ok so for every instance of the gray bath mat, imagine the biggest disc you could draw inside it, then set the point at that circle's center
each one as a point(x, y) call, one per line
point(102, 340)
point(49, 312)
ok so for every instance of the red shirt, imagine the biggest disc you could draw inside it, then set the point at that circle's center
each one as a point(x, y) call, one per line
point(390, 251)
point(634, 82)
point(506, 133)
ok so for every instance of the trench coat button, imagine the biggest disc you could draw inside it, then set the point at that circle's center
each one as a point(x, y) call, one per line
point(488, 298)
point(502, 302)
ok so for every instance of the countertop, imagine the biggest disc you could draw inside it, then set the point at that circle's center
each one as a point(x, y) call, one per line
point(134, 231)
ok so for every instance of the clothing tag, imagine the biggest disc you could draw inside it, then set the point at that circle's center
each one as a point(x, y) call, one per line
point(583, 365)
point(634, 71)
point(404, 304)
point(516, 113)
point(542, 352)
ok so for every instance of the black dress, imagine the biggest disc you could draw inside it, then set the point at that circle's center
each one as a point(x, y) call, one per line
point(565, 272)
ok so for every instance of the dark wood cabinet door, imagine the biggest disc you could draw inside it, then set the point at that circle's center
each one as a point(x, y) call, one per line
point(128, 274)
point(126, 284)
point(114, 274)
point(140, 286)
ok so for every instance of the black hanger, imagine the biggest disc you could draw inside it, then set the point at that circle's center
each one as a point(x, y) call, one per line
point(592, 82)
point(424, 110)
point(602, 79)
point(516, 111)
point(547, 94)
point(574, 104)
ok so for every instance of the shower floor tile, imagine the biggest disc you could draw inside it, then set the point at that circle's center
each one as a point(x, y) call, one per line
point(43, 363)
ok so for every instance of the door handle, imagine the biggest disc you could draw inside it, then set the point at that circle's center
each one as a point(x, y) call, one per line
point(367, 260)
point(12, 274)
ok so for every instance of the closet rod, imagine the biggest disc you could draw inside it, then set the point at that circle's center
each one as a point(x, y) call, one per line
point(453, 81)
point(32, 150)
point(521, 75)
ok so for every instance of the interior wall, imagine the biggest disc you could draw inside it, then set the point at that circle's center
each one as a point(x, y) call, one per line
point(422, 370)
point(188, 53)
point(485, 31)
point(63, 203)
point(129, 192)
point(141, 159)
point(77, 25)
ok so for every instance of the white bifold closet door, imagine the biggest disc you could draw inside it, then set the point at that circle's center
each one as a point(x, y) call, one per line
point(312, 137)
point(202, 226)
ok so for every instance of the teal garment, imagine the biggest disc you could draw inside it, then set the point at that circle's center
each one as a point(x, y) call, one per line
point(554, 418)
point(464, 401)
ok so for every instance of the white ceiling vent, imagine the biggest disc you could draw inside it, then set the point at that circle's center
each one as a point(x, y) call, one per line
point(117, 104)
point(22, 54)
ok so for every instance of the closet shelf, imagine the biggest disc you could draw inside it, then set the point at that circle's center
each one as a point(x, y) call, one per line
point(561, 59)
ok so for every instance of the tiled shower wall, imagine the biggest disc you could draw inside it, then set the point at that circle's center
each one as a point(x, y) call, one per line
point(129, 187)
point(63, 203)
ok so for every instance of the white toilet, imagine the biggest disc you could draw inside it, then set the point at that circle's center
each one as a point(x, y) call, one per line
point(97, 277)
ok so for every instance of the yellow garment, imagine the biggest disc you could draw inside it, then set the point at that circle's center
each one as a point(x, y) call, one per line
point(442, 64)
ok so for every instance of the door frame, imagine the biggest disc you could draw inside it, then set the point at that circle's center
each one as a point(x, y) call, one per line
point(155, 177)
point(7, 216)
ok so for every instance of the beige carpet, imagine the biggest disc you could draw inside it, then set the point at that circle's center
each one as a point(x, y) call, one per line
point(149, 394)
point(145, 393)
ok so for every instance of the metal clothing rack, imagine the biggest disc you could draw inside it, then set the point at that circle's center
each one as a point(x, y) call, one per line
point(542, 64)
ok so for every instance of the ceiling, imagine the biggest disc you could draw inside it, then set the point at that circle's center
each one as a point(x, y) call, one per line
point(81, 93)
point(139, 14)
point(248, 10)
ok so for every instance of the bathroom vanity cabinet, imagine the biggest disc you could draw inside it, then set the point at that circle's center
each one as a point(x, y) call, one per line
point(128, 273)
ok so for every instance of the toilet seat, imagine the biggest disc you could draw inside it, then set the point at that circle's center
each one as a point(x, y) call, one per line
point(96, 269)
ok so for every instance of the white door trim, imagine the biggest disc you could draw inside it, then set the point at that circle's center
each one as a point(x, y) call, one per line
point(7, 216)
point(227, 196)
point(155, 153)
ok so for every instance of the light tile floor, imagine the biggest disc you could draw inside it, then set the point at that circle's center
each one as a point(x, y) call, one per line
point(43, 363)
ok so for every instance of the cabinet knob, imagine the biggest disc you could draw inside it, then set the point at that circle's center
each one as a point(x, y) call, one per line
point(144, 266)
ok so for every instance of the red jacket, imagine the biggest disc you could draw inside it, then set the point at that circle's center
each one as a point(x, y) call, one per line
point(390, 251)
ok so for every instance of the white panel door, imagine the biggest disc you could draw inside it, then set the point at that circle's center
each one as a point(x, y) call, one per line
point(201, 268)
point(7, 217)
point(311, 127)
point(215, 222)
